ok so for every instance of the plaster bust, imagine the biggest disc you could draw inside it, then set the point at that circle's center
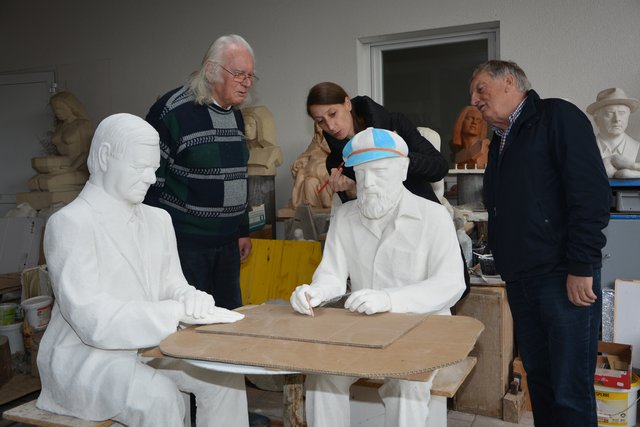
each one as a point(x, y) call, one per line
point(470, 139)
point(264, 155)
point(620, 152)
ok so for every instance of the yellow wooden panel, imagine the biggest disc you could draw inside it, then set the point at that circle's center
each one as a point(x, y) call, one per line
point(275, 267)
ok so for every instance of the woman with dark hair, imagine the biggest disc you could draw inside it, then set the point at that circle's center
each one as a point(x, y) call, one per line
point(341, 117)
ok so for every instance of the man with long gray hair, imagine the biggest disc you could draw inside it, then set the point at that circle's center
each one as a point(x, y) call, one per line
point(202, 178)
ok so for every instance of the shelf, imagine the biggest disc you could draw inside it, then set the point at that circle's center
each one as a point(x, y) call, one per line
point(624, 182)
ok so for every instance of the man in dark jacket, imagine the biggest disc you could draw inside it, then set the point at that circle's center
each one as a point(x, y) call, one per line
point(548, 199)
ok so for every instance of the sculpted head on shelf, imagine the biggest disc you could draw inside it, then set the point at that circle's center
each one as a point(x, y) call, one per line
point(620, 152)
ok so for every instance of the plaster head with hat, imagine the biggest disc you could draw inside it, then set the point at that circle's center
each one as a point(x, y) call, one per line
point(380, 162)
point(611, 112)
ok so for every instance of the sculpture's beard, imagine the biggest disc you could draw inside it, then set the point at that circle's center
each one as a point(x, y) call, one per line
point(376, 205)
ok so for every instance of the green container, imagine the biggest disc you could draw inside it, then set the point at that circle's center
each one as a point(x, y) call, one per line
point(8, 313)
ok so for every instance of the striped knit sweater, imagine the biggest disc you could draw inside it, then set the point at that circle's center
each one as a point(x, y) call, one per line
point(202, 178)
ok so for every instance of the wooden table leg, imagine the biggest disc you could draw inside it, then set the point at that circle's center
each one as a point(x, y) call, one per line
point(293, 400)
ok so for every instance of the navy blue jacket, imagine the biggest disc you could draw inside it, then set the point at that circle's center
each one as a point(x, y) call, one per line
point(547, 194)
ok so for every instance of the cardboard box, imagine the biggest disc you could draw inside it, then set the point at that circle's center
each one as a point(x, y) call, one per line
point(614, 365)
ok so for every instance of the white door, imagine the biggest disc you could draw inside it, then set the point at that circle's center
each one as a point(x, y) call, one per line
point(25, 120)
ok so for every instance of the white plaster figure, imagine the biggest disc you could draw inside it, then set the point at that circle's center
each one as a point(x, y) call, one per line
point(620, 152)
point(118, 287)
point(402, 255)
point(260, 131)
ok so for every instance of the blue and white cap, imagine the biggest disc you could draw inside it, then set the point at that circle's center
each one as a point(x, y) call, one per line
point(373, 144)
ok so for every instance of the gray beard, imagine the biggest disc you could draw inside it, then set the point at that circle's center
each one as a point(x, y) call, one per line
point(375, 206)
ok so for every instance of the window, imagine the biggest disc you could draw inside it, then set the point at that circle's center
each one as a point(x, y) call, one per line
point(425, 74)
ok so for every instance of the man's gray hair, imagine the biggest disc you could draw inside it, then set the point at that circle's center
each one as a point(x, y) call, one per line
point(119, 131)
point(198, 83)
point(497, 68)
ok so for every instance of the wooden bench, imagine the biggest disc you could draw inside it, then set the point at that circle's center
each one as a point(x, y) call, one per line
point(365, 398)
point(28, 413)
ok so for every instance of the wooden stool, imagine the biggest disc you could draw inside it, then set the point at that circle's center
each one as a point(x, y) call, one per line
point(28, 413)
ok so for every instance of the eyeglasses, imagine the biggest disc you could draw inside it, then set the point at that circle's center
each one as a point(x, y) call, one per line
point(239, 76)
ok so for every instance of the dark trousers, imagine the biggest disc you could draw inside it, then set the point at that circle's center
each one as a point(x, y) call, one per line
point(558, 343)
point(215, 271)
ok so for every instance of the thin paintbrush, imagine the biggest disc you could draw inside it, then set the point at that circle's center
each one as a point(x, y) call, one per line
point(327, 181)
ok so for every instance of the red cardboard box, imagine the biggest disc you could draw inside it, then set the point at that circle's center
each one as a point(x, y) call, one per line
point(614, 365)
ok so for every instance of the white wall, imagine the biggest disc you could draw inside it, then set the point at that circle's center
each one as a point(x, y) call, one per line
point(118, 56)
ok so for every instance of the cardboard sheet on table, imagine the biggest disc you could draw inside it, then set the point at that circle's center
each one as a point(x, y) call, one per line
point(329, 326)
point(435, 342)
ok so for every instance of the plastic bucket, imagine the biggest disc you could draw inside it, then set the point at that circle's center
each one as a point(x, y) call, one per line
point(8, 312)
point(14, 333)
point(617, 406)
point(37, 311)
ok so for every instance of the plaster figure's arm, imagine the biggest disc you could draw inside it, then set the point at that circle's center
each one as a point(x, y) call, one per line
point(99, 319)
point(81, 152)
point(621, 162)
point(444, 282)
point(197, 306)
point(425, 160)
point(330, 278)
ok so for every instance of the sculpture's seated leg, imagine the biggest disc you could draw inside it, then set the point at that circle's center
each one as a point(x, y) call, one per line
point(73, 180)
point(50, 164)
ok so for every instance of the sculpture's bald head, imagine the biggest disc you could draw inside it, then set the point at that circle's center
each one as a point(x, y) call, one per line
point(124, 155)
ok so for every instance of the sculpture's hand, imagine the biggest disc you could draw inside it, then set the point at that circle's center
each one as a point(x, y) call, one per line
point(368, 301)
point(621, 162)
point(197, 304)
point(305, 297)
point(214, 315)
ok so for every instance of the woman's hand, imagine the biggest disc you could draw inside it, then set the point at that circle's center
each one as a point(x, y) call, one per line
point(339, 182)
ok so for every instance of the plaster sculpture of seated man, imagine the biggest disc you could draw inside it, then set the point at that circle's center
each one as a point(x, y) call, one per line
point(620, 152)
point(402, 255)
point(470, 139)
point(72, 138)
point(309, 172)
point(264, 155)
point(118, 287)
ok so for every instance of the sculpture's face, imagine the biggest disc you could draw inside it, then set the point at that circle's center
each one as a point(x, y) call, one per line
point(250, 128)
point(612, 120)
point(334, 119)
point(472, 123)
point(62, 111)
point(226, 91)
point(130, 177)
point(379, 185)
